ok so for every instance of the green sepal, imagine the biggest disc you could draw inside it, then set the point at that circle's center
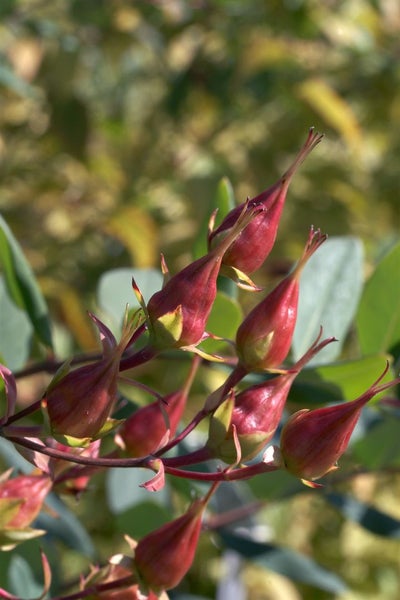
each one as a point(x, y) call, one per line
point(9, 538)
point(252, 443)
point(73, 442)
point(108, 426)
point(252, 355)
point(166, 331)
point(220, 423)
point(59, 375)
point(242, 280)
point(9, 507)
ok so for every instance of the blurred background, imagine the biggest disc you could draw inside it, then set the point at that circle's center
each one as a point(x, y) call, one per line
point(118, 119)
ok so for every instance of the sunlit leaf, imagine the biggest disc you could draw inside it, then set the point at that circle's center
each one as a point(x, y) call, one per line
point(330, 287)
point(137, 231)
point(339, 381)
point(22, 285)
point(378, 318)
point(223, 202)
point(333, 108)
point(15, 331)
point(114, 290)
point(225, 317)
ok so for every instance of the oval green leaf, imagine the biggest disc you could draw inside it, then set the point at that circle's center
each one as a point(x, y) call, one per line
point(114, 290)
point(22, 285)
point(225, 317)
point(224, 201)
point(378, 318)
point(15, 332)
point(340, 381)
point(330, 288)
point(22, 582)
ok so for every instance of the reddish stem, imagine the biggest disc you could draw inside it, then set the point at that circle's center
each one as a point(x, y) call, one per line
point(235, 475)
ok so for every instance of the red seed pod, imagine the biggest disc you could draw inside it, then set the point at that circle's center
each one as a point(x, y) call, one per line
point(264, 338)
point(312, 441)
point(30, 492)
point(163, 557)
point(253, 245)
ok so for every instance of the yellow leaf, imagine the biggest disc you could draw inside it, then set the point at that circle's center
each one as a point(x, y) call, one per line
point(74, 314)
point(331, 107)
point(137, 231)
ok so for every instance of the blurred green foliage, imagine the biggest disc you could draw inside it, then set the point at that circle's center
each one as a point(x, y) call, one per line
point(119, 118)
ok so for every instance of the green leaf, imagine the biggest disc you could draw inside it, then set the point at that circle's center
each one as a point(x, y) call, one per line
point(285, 561)
point(123, 489)
point(381, 447)
point(22, 285)
point(11, 457)
point(365, 515)
point(340, 381)
point(224, 201)
point(114, 290)
point(330, 287)
point(281, 484)
point(15, 331)
point(378, 318)
point(225, 317)
point(141, 519)
point(22, 582)
point(66, 527)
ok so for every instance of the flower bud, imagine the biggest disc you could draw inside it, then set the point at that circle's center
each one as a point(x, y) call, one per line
point(253, 245)
point(264, 338)
point(312, 441)
point(21, 499)
point(79, 403)
point(257, 412)
point(163, 557)
point(177, 314)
